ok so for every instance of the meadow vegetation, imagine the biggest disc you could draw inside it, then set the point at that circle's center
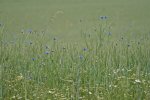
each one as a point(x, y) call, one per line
point(74, 50)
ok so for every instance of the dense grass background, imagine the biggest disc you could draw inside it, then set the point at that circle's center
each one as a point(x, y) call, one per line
point(63, 50)
point(62, 18)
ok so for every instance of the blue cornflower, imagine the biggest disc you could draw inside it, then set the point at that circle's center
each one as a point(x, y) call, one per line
point(29, 30)
point(33, 59)
point(47, 52)
point(109, 33)
point(81, 57)
point(85, 49)
point(103, 17)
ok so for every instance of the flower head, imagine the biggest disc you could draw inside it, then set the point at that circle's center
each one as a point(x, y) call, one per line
point(81, 57)
point(33, 59)
point(47, 52)
point(137, 81)
point(29, 30)
point(109, 33)
point(85, 49)
point(103, 17)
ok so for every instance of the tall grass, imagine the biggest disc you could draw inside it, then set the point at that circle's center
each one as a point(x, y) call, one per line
point(35, 66)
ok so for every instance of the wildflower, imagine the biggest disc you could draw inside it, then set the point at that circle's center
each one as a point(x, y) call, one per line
point(47, 52)
point(33, 59)
point(115, 86)
point(137, 81)
point(103, 17)
point(81, 57)
point(20, 77)
point(109, 33)
point(90, 92)
point(85, 49)
point(29, 31)
point(51, 92)
point(13, 97)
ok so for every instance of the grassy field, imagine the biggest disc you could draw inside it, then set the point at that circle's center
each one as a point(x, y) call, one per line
point(74, 50)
